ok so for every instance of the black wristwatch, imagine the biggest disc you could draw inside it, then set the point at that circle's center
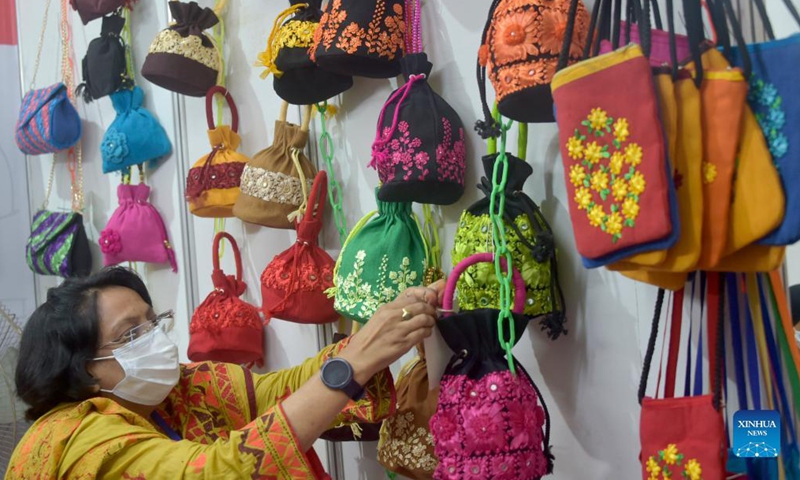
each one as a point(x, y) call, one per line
point(337, 374)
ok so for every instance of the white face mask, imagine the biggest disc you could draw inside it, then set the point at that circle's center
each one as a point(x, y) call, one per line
point(151, 368)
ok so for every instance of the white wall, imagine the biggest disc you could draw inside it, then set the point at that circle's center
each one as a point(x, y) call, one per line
point(589, 378)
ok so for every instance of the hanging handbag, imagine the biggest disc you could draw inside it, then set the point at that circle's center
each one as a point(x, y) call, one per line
point(93, 9)
point(136, 232)
point(104, 66)
point(775, 101)
point(406, 442)
point(530, 241)
point(520, 48)
point(489, 422)
point(294, 284)
point(419, 148)
point(612, 142)
point(275, 183)
point(382, 257)
point(58, 244)
point(685, 437)
point(296, 78)
point(182, 58)
point(212, 185)
point(225, 328)
point(362, 38)
point(135, 136)
point(48, 121)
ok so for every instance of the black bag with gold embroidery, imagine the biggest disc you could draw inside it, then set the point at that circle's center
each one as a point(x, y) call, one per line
point(363, 38)
point(296, 78)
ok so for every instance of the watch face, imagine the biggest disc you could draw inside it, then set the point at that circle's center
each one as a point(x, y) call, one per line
point(337, 374)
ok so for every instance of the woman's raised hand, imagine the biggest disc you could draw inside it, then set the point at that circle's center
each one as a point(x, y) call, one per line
point(394, 329)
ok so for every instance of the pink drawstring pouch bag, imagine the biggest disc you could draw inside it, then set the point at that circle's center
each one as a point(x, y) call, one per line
point(489, 422)
point(136, 232)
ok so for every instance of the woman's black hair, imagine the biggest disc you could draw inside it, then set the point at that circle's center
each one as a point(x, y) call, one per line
point(61, 337)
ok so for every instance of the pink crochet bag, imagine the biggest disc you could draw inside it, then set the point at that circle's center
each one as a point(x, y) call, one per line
point(489, 422)
point(136, 232)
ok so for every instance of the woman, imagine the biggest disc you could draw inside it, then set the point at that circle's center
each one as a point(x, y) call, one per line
point(110, 400)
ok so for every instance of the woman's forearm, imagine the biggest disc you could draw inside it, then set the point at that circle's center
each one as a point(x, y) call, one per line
point(313, 407)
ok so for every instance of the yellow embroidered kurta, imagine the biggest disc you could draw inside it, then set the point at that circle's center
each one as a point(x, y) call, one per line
point(230, 419)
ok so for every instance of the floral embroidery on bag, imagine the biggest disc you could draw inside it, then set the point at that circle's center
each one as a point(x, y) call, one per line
point(402, 151)
point(191, 47)
point(356, 296)
point(115, 146)
point(618, 181)
point(451, 155)
point(666, 465)
point(478, 287)
point(768, 107)
point(110, 242)
point(407, 444)
point(384, 36)
point(516, 36)
point(308, 276)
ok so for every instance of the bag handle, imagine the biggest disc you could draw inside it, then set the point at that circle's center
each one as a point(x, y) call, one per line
point(41, 43)
point(316, 199)
point(765, 21)
point(217, 89)
point(452, 280)
point(236, 253)
point(294, 153)
point(487, 127)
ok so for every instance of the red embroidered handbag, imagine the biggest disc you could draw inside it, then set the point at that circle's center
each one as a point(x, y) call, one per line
point(685, 437)
point(293, 285)
point(614, 154)
point(224, 327)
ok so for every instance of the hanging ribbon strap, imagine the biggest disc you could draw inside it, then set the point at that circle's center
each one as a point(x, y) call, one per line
point(298, 214)
point(413, 35)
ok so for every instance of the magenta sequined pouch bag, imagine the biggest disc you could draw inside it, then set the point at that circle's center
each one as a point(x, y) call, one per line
point(489, 423)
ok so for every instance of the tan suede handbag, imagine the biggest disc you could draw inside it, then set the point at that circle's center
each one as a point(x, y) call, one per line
point(276, 182)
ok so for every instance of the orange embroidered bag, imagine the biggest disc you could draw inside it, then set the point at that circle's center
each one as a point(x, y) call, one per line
point(225, 328)
point(671, 274)
point(610, 133)
point(293, 285)
point(212, 185)
point(364, 38)
point(685, 437)
point(521, 44)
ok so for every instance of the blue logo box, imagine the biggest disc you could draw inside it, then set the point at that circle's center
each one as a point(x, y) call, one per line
point(756, 434)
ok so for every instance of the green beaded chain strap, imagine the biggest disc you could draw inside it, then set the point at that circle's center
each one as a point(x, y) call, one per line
point(497, 205)
point(334, 190)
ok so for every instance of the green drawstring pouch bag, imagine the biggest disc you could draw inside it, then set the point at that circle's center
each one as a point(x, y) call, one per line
point(384, 254)
point(529, 238)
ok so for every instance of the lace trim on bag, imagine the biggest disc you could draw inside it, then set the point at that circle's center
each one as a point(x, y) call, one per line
point(220, 311)
point(221, 175)
point(308, 278)
point(191, 47)
point(272, 186)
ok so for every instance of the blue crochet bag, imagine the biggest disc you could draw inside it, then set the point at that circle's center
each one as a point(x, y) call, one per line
point(48, 122)
point(774, 96)
point(135, 136)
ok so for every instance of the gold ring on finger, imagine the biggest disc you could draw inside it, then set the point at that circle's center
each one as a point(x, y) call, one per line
point(407, 315)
